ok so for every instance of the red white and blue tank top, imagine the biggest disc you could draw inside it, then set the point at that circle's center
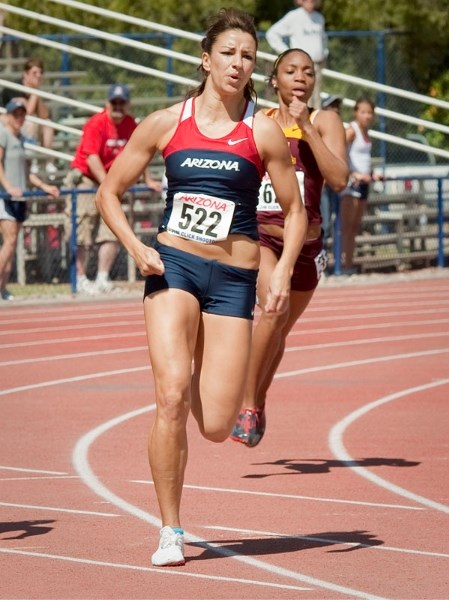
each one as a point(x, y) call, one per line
point(309, 178)
point(213, 184)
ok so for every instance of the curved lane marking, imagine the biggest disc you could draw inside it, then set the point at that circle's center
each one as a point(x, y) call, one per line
point(338, 449)
point(80, 460)
point(81, 464)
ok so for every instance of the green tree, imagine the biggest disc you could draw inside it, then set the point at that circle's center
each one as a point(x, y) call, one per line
point(416, 33)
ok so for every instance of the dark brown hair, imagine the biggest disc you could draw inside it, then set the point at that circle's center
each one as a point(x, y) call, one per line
point(33, 62)
point(364, 100)
point(225, 20)
point(279, 59)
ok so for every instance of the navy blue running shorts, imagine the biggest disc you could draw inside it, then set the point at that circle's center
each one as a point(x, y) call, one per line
point(220, 289)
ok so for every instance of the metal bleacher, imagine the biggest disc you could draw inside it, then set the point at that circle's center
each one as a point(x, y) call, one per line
point(398, 231)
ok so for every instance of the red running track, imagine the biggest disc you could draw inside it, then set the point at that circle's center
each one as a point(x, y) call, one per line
point(346, 497)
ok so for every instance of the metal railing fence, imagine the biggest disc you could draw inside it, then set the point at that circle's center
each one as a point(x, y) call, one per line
point(402, 230)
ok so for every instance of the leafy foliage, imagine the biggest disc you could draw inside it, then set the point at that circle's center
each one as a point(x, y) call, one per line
point(415, 34)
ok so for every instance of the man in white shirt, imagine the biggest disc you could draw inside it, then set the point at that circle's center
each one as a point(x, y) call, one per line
point(305, 28)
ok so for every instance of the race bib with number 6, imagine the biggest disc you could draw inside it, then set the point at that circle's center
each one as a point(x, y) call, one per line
point(267, 197)
point(202, 218)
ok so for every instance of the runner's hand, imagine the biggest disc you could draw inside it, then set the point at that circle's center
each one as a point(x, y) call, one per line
point(148, 261)
point(278, 292)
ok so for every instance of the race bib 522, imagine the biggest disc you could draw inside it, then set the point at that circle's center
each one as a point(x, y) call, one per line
point(199, 217)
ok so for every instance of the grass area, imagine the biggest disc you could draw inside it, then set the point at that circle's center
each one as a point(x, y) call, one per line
point(31, 290)
point(63, 291)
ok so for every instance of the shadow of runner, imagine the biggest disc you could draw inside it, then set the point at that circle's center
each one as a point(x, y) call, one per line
point(28, 528)
point(356, 540)
point(313, 466)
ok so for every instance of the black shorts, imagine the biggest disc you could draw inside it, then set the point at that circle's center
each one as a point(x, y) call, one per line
point(13, 210)
point(356, 189)
point(220, 289)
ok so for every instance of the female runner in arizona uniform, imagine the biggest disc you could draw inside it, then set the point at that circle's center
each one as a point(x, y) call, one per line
point(201, 277)
point(318, 152)
point(228, 171)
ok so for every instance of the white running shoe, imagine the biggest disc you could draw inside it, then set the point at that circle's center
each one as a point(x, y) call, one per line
point(85, 286)
point(51, 168)
point(171, 549)
point(103, 285)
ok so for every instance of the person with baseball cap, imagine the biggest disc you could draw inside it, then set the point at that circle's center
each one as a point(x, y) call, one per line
point(104, 137)
point(33, 77)
point(332, 101)
point(15, 179)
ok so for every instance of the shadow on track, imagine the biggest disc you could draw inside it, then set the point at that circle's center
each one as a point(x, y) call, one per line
point(28, 528)
point(315, 466)
point(355, 540)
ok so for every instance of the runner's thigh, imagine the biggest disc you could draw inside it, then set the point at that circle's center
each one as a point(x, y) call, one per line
point(171, 318)
point(223, 354)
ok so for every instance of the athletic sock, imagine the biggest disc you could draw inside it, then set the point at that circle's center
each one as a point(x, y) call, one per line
point(178, 530)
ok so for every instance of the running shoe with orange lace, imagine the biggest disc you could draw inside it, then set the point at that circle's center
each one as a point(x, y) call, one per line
point(249, 427)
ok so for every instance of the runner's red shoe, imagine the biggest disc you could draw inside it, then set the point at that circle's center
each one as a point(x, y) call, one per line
point(249, 427)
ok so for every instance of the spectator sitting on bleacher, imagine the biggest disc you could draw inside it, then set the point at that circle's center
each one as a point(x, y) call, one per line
point(32, 77)
point(104, 137)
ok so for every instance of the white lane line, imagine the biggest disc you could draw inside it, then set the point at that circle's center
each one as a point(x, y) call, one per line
point(385, 325)
point(159, 570)
point(370, 305)
point(336, 542)
point(330, 298)
point(79, 317)
point(298, 331)
point(57, 307)
point(321, 297)
point(54, 382)
point(80, 457)
point(83, 338)
point(81, 464)
point(378, 340)
point(59, 509)
point(338, 449)
point(108, 325)
point(360, 342)
point(329, 367)
point(319, 318)
point(289, 496)
point(23, 470)
point(370, 315)
point(39, 478)
point(50, 358)
point(366, 361)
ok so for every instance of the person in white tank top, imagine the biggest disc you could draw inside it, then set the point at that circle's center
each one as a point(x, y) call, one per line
point(353, 199)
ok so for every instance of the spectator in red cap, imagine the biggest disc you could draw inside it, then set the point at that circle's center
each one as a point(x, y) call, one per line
point(104, 137)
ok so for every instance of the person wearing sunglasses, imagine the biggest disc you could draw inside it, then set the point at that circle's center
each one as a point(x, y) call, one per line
point(105, 134)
